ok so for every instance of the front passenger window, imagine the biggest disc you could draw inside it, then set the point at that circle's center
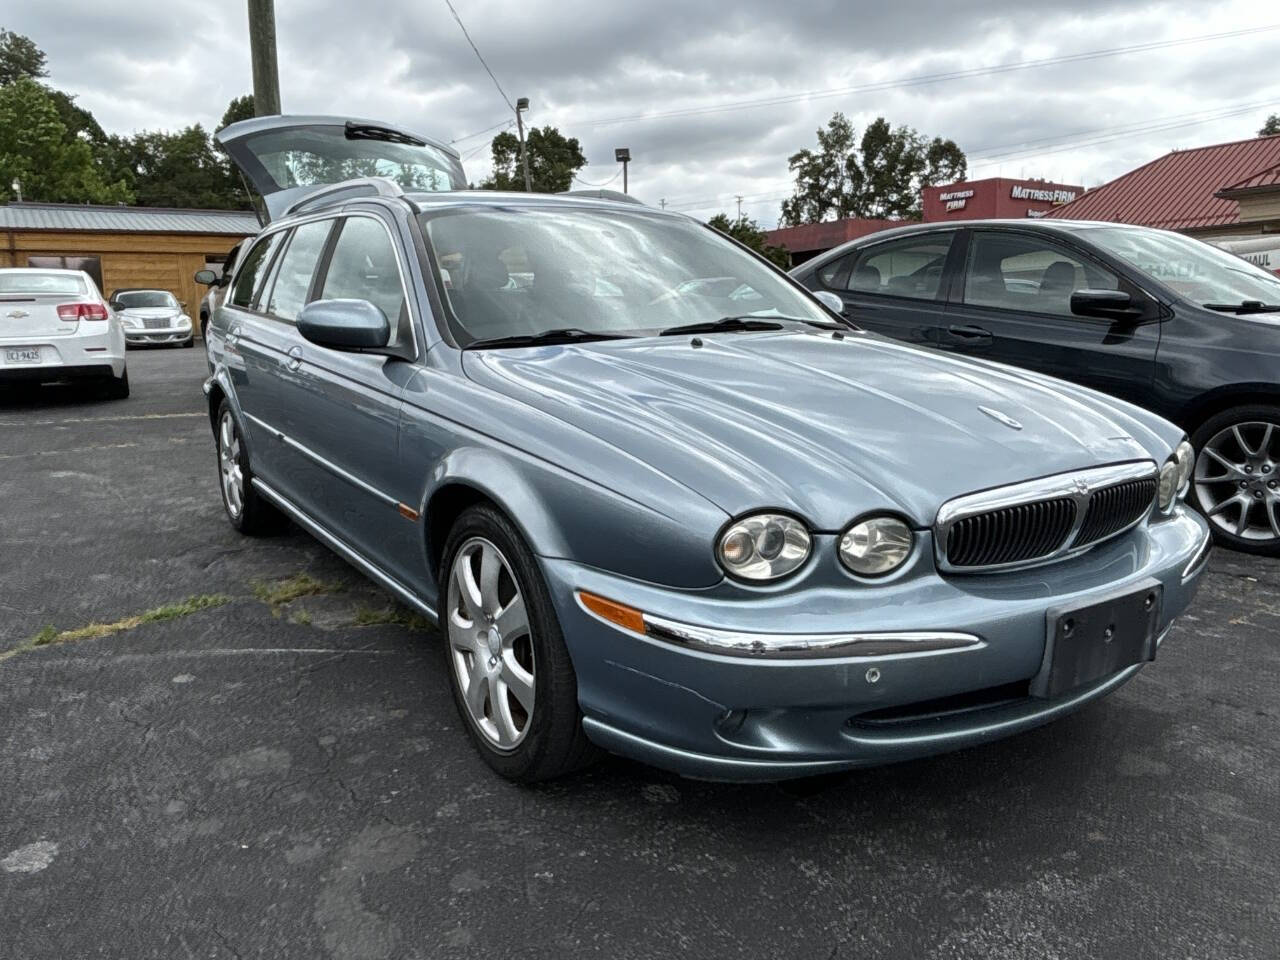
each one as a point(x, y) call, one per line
point(363, 267)
point(297, 266)
point(1019, 272)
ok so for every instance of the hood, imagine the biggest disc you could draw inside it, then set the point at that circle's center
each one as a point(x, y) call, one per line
point(823, 428)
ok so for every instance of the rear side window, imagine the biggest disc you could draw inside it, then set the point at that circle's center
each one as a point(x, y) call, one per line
point(910, 267)
point(251, 270)
point(297, 267)
point(363, 267)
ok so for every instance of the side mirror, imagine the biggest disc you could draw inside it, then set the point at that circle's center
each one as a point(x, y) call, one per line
point(829, 300)
point(207, 278)
point(1107, 304)
point(344, 325)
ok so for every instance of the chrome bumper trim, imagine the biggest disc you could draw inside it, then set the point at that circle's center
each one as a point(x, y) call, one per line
point(1197, 563)
point(798, 646)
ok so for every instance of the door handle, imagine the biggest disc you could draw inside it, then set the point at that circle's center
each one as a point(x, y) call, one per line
point(969, 332)
point(295, 358)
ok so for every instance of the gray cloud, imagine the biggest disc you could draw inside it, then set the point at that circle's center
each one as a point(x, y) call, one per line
point(150, 64)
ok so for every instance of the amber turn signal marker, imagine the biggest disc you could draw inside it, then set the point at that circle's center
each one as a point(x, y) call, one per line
point(628, 618)
point(407, 511)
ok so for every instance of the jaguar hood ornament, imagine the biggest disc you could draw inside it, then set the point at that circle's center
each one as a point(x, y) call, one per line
point(999, 417)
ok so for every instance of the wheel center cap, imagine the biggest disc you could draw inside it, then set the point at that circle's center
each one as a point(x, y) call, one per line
point(494, 638)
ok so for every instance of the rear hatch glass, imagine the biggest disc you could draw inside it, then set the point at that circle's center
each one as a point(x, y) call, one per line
point(285, 158)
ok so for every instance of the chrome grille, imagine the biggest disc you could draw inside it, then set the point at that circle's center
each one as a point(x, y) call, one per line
point(1018, 534)
point(1111, 509)
point(155, 323)
point(1041, 520)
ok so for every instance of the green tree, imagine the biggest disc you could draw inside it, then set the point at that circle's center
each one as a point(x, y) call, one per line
point(748, 233)
point(1271, 127)
point(20, 57)
point(553, 160)
point(240, 108)
point(36, 151)
point(180, 170)
point(878, 175)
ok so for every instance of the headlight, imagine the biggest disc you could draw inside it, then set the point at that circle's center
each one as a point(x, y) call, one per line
point(130, 322)
point(1186, 457)
point(1168, 488)
point(764, 547)
point(876, 546)
point(183, 321)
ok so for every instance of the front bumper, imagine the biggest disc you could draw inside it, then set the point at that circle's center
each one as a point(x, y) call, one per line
point(138, 336)
point(740, 717)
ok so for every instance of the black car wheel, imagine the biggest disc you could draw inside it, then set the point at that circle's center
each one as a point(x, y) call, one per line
point(510, 672)
point(246, 509)
point(1237, 477)
point(117, 388)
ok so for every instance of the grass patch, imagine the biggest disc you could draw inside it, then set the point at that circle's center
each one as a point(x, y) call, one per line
point(279, 592)
point(302, 617)
point(397, 615)
point(50, 635)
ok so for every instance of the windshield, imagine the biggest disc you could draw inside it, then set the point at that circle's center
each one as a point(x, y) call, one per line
point(1199, 272)
point(145, 298)
point(526, 270)
point(56, 283)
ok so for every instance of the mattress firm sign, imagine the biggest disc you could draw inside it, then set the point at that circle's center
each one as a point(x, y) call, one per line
point(956, 199)
point(1041, 194)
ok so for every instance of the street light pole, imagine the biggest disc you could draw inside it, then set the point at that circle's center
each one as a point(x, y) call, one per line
point(521, 105)
point(262, 51)
point(623, 156)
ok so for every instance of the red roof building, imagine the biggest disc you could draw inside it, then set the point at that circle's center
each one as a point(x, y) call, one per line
point(810, 239)
point(1195, 191)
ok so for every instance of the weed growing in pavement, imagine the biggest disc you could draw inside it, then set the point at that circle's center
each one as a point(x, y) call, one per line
point(400, 616)
point(50, 635)
point(277, 593)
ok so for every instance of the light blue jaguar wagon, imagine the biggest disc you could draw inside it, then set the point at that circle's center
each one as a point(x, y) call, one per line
point(662, 501)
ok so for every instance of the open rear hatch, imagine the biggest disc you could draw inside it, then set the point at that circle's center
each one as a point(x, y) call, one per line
point(284, 158)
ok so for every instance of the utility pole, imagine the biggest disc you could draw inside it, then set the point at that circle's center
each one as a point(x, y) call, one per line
point(623, 156)
point(262, 51)
point(521, 105)
point(739, 199)
point(663, 203)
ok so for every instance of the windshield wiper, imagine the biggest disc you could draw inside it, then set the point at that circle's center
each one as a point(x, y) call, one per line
point(559, 335)
point(725, 325)
point(369, 131)
point(1243, 307)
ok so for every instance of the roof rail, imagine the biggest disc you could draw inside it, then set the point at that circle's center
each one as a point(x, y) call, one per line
point(347, 190)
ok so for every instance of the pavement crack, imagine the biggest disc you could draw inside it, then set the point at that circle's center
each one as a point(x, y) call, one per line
point(222, 937)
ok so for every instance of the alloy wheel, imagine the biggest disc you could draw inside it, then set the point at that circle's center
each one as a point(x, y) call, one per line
point(1237, 479)
point(229, 466)
point(491, 646)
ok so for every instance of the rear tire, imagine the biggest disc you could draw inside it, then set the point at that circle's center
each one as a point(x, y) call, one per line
point(246, 509)
point(189, 343)
point(504, 647)
point(117, 388)
point(1236, 482)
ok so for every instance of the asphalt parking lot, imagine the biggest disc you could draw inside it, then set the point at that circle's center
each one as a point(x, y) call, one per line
point(212, 746)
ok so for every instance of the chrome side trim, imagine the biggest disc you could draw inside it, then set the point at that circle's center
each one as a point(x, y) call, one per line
point(332, 467)
point(342, 549)
point(796, 646)
point(1197, 563)
point(1078, 485)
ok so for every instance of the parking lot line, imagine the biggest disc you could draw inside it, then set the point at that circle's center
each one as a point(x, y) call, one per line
point(122, 419)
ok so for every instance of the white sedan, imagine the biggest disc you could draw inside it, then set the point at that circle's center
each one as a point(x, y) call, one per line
point(55, 325)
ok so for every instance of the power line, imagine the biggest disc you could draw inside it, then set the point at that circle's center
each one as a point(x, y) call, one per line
point(448, 4)
point(504, 123)
point(932, 78)
point(587, 183)
point(472, 152)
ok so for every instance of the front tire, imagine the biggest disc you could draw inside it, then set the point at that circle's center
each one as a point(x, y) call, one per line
point(1236, 483)
point(246, 509)
point(512, 680)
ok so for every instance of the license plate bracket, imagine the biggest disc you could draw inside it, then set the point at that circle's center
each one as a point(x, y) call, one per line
point(1085, 642)
point(22, 355)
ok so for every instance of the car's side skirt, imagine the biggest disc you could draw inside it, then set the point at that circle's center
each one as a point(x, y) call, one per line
point(344, 550)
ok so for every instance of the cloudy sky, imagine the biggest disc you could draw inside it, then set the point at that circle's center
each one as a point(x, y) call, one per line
point(613, 74)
